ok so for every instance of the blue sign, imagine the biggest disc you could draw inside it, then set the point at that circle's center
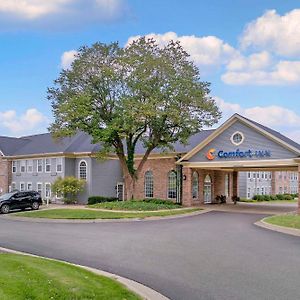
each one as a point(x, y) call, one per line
point(244, 154)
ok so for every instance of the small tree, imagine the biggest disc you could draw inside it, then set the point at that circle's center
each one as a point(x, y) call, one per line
point(68, 187)
point(142, 93)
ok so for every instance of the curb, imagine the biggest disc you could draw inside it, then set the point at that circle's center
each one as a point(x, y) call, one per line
point(277, 228)
point(143, 291)
point(89, 221)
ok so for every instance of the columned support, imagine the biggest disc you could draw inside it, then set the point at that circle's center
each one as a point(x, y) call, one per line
point(235, 184)
point(187, 186)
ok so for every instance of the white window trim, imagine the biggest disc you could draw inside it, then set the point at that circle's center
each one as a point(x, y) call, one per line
point(27, 164)
point(37, 165)
point(23, 165)
point(45, 190)
point(13, 184)
point(86, 166)
point(233, 142)
point(27, 186)
point(37, 189)
point(46, 165)
point(12, 166)
point(24, 186)
point(61, 159)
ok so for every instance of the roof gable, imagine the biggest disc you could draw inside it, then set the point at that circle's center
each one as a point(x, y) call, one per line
point(256, 136)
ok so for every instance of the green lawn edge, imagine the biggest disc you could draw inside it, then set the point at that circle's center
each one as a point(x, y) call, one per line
point(89, 214)
point(25, 277)
point(289, 221)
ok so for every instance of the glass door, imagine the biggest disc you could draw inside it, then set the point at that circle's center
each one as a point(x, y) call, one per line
point(207, 190)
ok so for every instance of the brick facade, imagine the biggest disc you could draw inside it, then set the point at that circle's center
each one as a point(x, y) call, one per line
point(160, 168)
point(5, 175)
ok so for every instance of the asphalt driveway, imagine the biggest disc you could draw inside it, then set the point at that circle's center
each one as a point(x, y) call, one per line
point(217, 255)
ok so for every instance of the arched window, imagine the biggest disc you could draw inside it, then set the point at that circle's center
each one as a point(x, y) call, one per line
point(148, 184)
point(207, 192)
point(195, 185)
point(83, 170)
point(172, 184)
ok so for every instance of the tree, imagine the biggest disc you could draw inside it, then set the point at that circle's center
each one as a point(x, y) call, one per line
point(68, 187)
point(141, 93)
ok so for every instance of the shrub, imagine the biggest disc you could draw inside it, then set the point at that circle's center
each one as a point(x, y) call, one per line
point(100, 199)
point(273, 197)
point(288, 197)
point(280, 197)
point(68, 187)
point(158, 201)
point(267, 198)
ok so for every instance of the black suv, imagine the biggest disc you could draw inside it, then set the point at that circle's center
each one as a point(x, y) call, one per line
point(20, 200)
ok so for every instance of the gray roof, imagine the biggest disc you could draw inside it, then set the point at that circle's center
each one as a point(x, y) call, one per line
point(82, 142)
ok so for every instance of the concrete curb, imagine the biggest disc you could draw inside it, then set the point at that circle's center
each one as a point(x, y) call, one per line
point(143, 291)
point(277, 228)
point(89, 221)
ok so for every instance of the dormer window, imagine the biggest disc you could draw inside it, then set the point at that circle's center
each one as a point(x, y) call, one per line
point(237, 138)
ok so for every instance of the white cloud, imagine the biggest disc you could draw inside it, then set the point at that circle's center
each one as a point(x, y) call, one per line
point(280, 34)
point(67, 58)
point(57, 13)
point(283, 73)
point(28, 122)
point(274, 116)
point(205, 51)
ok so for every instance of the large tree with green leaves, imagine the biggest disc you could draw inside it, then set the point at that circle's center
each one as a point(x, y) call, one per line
point(142, 93)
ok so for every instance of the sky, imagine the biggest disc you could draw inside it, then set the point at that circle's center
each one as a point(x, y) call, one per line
point(249, 50)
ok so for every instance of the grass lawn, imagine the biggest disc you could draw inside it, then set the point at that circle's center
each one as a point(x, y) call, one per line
point(271, 201)
point(65, 213)
point(24, 277)
point(135, 205)
point(292, 221)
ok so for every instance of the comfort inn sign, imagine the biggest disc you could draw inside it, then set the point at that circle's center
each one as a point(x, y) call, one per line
point(250, 153)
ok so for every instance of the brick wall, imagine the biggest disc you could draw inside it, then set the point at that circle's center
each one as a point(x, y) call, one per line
point(160, 168)
point(5, 174)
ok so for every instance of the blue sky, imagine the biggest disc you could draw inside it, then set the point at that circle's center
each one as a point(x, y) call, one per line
point(248, 50)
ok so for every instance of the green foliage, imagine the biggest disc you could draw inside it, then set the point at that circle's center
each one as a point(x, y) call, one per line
point(140, 93)
point(273, 197)
point(68, 187)
point(280, 197)
point(100, 199)
point(24, 277)
point(140, 205)
point(288, 197)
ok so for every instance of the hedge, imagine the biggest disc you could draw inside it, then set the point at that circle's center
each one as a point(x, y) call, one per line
point(274, 197)
point(100, 199)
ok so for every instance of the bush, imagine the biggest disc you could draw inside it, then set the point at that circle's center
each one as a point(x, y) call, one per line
point(288, 197)
point(267, 198)
point(68, 187)
point(158, 201)
point(280, 197)
point(101, 199)
point(258, 197)
point(273, 197)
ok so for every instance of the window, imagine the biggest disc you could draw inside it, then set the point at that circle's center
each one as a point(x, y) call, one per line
point(29, 164)
point(254, 175)
point(47, 190)
point(29, 186)
point(257, 191)
point(195, 185)
point(83, 170)
point(23, 166)
point(172, 183)
point(22, 186)
point(14, 166)
point(59, 164)
point(237, 138)
point(39, 167)
point(48, 165)
point(262, 190)
point(249, 193)
point(249, 175)
point(13, 186)
point(148, 184)
point(280, 190)
point(39, 188)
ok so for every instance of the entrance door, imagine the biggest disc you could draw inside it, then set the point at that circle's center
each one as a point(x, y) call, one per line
point(207, 190)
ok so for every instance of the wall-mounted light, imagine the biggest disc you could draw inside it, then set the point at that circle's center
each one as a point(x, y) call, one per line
point(184, 177)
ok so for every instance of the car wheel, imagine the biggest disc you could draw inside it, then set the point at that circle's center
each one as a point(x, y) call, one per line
point(5, 209)
point(35, 205)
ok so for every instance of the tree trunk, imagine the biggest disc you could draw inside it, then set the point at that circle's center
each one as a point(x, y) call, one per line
point(129, 187)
